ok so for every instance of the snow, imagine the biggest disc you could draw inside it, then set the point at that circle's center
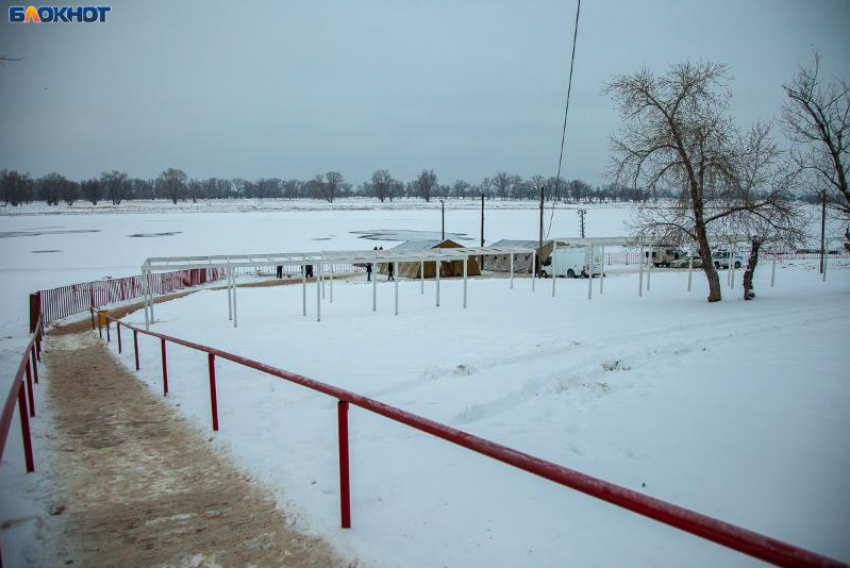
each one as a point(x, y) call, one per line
point(737, 410)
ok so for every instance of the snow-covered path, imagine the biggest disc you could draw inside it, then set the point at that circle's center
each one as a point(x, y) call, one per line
point(133, 484)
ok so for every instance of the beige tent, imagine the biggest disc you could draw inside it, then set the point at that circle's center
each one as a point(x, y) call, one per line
point(522, 262)
point(448, 268)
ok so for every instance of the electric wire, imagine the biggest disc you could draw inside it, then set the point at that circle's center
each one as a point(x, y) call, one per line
point(566, 113)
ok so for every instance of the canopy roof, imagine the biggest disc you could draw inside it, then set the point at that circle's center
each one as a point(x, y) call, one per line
point(164, 263)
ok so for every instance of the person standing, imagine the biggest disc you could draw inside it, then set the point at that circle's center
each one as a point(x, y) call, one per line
point(390, 271)
point(369, 268)
point(280, 273)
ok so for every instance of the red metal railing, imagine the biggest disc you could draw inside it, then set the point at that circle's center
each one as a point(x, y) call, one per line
point(21, 395)
point(58, 303)
point(723, 533)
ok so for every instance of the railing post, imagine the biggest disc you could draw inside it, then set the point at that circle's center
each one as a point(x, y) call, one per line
point(91, 311)
point(213, 399)
point(118, 329)
point(25, 430)
point(34, 363)
point(344, 486)
point(29, 389)
point(108, 338)
point(164, 370)
point(99, 326)
point(136, 347)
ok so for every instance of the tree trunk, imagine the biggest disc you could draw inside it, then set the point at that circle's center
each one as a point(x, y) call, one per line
point(714, 293)
point(749, 294)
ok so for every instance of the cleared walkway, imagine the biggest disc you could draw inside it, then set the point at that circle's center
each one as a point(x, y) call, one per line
point(138, 486)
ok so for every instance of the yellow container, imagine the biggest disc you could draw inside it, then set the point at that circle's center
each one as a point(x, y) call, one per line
point(102, 315)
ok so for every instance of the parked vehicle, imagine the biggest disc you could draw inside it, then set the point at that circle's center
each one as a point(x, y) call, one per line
point(721, 259)
point(662, 258)
point(572, 262)
point(684, 261)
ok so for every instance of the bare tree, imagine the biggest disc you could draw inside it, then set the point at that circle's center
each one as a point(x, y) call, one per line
point(70, 192)
point(333, 182)
point(503, 181)
point(460, 188)
point(172, 184)
point(116, 184)
point(676, 134)
point(91, 190)
point(51, 187)
point(17, 188)
point(382, 184)
point(425, 183)
point(816, 117)
point(761, 201)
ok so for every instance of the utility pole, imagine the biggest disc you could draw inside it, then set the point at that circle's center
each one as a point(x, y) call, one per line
point(482, 230)
point(582, 212)
point(822, 228)
point(540, 240)
point(443, 216)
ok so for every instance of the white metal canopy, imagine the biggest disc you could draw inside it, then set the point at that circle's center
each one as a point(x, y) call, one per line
point(322, 260)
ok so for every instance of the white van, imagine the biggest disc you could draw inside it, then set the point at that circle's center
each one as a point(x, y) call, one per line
point(572, 262)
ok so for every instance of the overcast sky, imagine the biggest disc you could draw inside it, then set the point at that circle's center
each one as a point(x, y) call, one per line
point(291, 89)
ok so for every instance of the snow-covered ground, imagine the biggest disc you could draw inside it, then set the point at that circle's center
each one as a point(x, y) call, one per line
point(44, 247)
point(738, 410)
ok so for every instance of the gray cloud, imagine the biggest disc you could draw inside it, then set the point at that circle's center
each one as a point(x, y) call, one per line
point(292, 89)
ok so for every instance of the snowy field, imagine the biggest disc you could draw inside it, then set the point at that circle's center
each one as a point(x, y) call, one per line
point(738, 410)
point(44, 247)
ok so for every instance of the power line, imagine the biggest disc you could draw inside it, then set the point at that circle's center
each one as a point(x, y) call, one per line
point(566, 112)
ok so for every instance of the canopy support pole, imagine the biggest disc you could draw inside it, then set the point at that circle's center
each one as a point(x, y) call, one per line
point(229, 295)
point(533, 269)
point(640, 272)
point(773, 271)
point(438, 266)
point(303, 289)
point(649, 267)
point(465, 261)
point(552, 266)
point(235, 316)
point(602, 271)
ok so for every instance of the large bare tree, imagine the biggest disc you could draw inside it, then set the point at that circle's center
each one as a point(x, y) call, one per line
point(816, 116)
point(761, 202)
point(382, 184)
point(172, 184)
point(676, 134)
point(116, 184)
point(331, 185)
point(425, 183)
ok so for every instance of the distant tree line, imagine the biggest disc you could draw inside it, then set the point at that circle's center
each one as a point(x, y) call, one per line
point(17, 188)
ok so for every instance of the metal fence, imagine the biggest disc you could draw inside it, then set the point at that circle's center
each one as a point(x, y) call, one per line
point(21, 395)
point(58, 303)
